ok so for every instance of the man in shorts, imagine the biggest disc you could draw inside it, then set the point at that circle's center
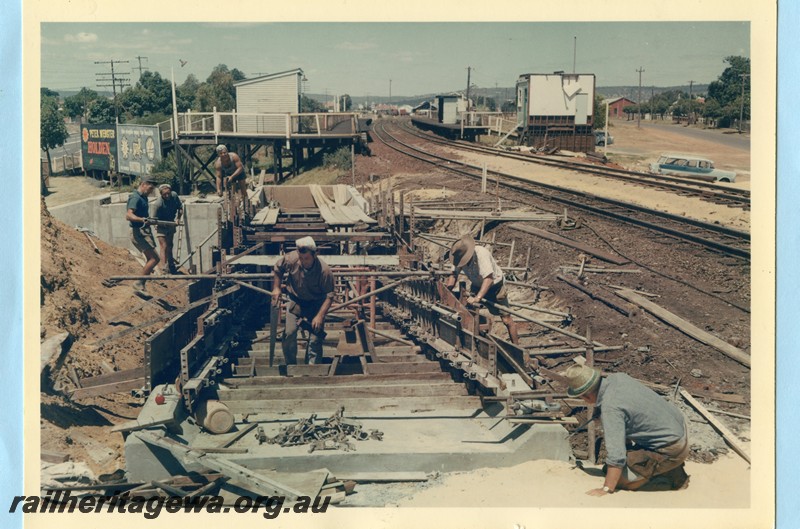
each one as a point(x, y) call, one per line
point(645, 435)
point(141, 236)
point(167, 207)
point(486, 277)
point(230, 173)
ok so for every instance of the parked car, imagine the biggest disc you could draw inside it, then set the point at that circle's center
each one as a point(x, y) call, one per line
point(691, 166)
point(600, 138)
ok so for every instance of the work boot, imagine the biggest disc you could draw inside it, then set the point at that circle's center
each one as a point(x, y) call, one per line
point(138, 289)
point(678, 478)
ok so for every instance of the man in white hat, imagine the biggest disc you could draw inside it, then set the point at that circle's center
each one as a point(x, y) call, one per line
point(645, 435)
point(486, 277)
point(309, 283)
point(167, 207)
point(230, 172)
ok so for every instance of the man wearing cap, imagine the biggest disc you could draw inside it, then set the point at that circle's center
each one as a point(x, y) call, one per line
point(309, 282)
point(645, 435)
point(486, 277)
point(167, 207)
point(230, 172)
point(141, 236)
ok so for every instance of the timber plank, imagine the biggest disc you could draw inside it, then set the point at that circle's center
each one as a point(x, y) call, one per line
point(105, 389)
point(686, 327)
point(544, 234)
point(427, 389)
point(402, 378)
point(352, 405)
point(729, 437)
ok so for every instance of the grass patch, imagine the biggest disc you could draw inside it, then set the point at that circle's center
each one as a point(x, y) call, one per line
point(318, 175)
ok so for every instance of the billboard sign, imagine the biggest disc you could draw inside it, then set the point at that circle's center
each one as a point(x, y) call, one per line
point(99, 147)
point(139, 148)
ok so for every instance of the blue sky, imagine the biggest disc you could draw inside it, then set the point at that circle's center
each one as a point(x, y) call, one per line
point(419, 58)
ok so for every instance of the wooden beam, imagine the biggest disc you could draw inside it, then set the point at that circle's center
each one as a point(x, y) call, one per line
point(544, 234)
point(355, 405)
point(393, 378)
point(686, 327)
point(336, 392)
point(594, 295)
point(729, 437)
point(105, 389)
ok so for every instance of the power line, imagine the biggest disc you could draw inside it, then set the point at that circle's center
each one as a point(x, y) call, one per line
point(117, 78)
point(140, 68)
point(639, 103)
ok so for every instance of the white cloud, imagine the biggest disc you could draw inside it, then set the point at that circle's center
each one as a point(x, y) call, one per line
point(81, 37)
point(355, 46)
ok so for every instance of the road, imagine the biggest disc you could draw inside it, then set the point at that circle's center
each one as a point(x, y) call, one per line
point(726, 137)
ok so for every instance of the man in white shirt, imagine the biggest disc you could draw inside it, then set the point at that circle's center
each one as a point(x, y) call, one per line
point(486, 277)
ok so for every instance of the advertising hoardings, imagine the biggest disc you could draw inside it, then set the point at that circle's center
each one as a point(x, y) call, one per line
point(139, 149)
point(99, 147)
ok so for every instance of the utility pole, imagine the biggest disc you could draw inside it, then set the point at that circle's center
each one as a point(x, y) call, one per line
point(741, 108)
point(116, 78)
point(639, 104)
point(574, 52)
point(691, 106)
point(140, 68)
point(469, 71)
point(652, 102)
point(390, 92)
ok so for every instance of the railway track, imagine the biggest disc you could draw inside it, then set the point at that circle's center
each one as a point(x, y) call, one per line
point(711, 236)
point(706, 190)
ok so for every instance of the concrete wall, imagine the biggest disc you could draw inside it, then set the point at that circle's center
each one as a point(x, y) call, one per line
point(105, 216)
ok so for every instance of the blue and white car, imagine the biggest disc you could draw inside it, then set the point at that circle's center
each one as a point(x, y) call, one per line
point(601, 140)
point(692, 166)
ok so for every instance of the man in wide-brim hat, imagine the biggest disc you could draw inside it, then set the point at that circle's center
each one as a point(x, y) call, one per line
point(645, 435)
point(486, 277)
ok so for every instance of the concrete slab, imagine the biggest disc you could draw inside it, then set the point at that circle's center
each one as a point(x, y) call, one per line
point(440, 441)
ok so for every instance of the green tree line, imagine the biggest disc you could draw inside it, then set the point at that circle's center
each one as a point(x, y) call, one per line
point(726, 100)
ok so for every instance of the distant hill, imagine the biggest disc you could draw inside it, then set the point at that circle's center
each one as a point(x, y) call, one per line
point(503, 93)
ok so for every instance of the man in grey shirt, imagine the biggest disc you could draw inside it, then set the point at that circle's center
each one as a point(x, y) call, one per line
point(633, 413)
point(309, 282)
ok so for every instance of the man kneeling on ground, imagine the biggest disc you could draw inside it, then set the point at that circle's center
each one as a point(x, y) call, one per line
point(645, 435)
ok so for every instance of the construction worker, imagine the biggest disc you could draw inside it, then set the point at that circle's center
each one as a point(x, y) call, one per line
point(230, 173)
point(141, 236)
point(645, 435)
point(486, 278)
point(309, 282)
point(167, 207)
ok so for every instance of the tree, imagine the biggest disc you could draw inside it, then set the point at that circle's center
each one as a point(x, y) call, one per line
point(727, 90)
point(101, 110)
point(78, 105)
point(46, 92)
point(52, 132)
point(218, 90)
point(310, 105)
point(187, 92)
point(347, 103)
point(599, 112)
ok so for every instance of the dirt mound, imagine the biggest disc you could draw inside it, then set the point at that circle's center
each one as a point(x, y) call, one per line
point(106, 337)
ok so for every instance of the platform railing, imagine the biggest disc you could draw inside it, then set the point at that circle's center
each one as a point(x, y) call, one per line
point(288, 125)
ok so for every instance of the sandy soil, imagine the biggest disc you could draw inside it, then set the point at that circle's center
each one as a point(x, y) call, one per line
point(66, 189)
point(557, 484)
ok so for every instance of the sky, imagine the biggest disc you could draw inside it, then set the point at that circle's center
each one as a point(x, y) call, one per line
point(370, 59)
